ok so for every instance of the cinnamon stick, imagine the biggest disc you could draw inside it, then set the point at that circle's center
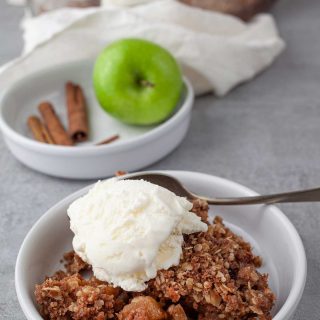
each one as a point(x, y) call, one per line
point(108, 140)
point(53, 124)
point(39, 131)
point(77, 112)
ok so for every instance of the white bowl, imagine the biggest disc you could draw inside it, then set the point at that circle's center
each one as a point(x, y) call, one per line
point(137, 147)
point(269, 231)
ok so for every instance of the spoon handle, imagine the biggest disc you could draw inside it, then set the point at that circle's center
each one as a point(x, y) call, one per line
point(311, 195)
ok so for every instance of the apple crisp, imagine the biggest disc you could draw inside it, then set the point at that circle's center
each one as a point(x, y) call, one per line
point(217, 278)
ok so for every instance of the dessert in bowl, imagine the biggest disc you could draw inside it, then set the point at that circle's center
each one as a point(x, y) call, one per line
point(217, 276)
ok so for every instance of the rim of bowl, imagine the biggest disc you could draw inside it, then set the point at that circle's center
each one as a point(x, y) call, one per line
point(184, 110)
point(300, 268)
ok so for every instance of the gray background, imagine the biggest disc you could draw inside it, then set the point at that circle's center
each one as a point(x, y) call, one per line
point(265, 135)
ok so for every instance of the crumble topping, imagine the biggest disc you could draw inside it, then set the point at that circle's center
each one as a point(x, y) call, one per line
point(217, 278)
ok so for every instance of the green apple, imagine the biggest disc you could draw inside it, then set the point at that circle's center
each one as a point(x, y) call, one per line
point(137, 81)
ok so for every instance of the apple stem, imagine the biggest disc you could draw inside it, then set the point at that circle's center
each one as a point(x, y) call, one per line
point(146, 83)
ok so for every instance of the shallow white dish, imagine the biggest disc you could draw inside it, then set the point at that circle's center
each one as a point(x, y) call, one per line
point(137, 147)
point(268, 230)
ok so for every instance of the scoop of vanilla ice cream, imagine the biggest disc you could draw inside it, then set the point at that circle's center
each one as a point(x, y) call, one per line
point(129, 229)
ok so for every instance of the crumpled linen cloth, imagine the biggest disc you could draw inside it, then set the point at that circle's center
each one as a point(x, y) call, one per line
point(216, 51)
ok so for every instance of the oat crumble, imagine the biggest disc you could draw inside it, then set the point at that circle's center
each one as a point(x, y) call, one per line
point(217, 278)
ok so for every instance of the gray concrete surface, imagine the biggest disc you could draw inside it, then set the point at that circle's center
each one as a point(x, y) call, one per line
point(265, 134)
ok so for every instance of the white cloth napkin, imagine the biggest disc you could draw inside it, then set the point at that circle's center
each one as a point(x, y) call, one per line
point(216, 51)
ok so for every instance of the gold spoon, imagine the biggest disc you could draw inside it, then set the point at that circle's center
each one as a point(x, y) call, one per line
point(176, 187)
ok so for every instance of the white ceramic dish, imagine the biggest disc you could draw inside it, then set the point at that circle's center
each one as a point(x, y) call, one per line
point(137, 148)
point(270, 232)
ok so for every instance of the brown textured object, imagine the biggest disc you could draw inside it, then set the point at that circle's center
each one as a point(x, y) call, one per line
point(66, 296)
point(83, 4)
point(73, 263)
point(244, 9)
point(39, 131)
point(109, 140)
point(53, 124)
point(142, 308)
point(77, 113)
point(176, 312)
point(217, 278)
point(216, 274)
